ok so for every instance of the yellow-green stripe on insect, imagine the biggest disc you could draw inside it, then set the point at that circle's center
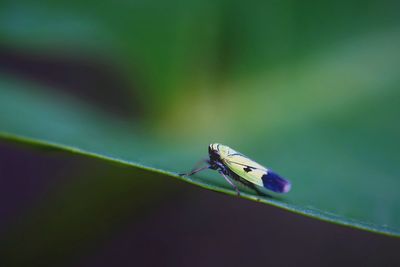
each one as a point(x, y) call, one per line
point(232, 164)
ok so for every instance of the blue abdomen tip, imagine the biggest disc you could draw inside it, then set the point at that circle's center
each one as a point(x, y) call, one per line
point(274, 182)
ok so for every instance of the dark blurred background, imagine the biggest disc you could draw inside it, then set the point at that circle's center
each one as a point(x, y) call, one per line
point(316, 84)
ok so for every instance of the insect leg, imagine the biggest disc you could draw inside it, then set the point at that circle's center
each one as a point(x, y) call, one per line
point(198, 164)
point(196, 168)
point(251, 186)
point(195, 171)
point(230, 182)
point(247, 184)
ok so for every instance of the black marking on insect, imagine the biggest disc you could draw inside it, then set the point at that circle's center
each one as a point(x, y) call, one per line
point(247, 169)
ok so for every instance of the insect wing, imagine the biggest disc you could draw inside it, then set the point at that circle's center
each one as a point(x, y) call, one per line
point(256, 173)
point(246, 168)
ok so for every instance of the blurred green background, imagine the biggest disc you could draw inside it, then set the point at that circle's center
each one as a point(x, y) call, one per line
point(308, 89)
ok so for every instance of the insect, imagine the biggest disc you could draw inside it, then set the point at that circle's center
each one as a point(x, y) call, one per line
point(232, 164)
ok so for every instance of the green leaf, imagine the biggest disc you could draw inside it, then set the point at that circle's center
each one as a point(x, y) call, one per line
point(311, 94)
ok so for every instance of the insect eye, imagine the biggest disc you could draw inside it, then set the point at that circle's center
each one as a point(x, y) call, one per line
point(213, 154)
